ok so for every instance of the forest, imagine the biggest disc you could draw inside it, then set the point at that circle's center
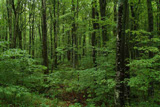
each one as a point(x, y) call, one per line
point(79, 53)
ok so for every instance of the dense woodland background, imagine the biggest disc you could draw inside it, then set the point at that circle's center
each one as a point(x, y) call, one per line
point(80, 53)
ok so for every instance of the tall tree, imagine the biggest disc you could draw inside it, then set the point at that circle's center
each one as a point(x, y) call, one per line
point(158, 16)
point(95, 27)
point(56, 19)
point(33, 24)
point(74, 38)
point(103, 4)
point(51, 35)
point(115, 16)
point(9, 11)
point(44, 35)
point(121, 54)
point(15, 23)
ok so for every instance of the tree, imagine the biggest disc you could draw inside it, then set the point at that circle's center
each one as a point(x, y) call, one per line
point(74, 36)
point(44, 35)
point(95, 27)
point(121, 54)
point(103, 4)
point(9, 10)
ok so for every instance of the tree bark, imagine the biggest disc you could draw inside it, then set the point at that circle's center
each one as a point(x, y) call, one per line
point(103, 4)
point(95, 27)
point(44, 35)
point(55, 32)
point(121, 90)
point(33, 22)
point(9, 11)
point(74, 36)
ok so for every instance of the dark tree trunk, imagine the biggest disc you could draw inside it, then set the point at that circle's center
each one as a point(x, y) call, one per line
point(69, 50)
point(15, 24)
point(30, 30)
point(95, 27)
point(51, 36)
point(158, 16)
point(9, 11)
point(74, 36)
point(44, 35)
point(103, 4)
point(122, 91)
point(33, 36)
point(126, 50)
point(55, 32)
point(24, 33)
point(158, 10)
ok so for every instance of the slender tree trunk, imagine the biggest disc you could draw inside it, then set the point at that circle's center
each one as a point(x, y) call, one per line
point(30, 29)
point(55, 32)
point(115, 17)
point(19, 26)
point(33, 24)
point(69, 50)
point(95, 27)
point(158, 17)
point(44, 35)
point(126, 50)
point(77, 38)
point(103, 4)
point(51, 36)
point(63, 29)
point(9, 11)
point(20, 34)
point(24, 33)
point(15, 24)
point(74, 38)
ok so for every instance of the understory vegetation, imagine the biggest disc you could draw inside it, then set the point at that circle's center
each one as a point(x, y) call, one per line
point(79, 53)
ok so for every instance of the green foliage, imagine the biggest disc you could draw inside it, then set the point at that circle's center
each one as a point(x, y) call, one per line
point(90, 81)
point(19, 75)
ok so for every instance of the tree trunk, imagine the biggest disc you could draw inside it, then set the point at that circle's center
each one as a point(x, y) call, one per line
point(158, 17)
point(74, 38)
point(24, 33)
point(44, 35)
point(33, 36)
point(158, 10)
point(55, 32)
point(30, 29)
point(95, 27)
point(9, 11)
point(51, 36)
point(121, 72)
point(103, 4)
point(115, 17)
point(15, 24)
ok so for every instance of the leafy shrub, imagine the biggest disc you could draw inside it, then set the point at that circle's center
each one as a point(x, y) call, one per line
point(19, 76)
